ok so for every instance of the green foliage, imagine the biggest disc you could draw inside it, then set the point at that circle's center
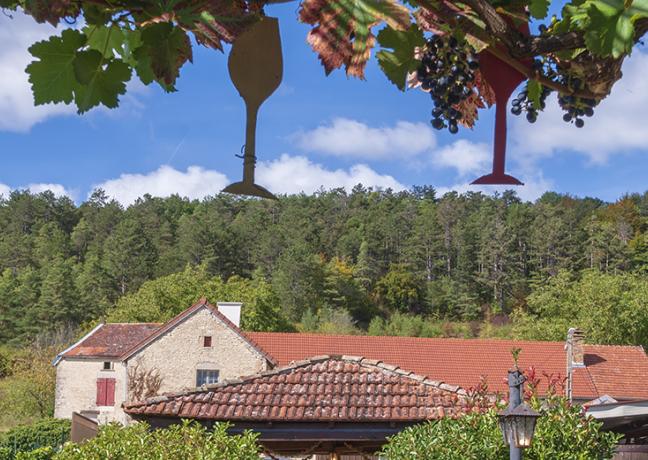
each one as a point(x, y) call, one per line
point(161, 299)
point(397, 58)
point(399, 290)
point(186, 441)
point(612, 309)
point(52, 76)
point(561, 433)
point(27, 394)
point(42, 436)
point(453, 264)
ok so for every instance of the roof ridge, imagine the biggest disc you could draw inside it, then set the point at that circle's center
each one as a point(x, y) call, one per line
point(363, 362)
point(400, 337)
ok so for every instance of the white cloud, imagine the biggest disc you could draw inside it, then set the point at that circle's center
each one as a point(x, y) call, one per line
point(5, 190)
point(17, 110)
point(351, 138)
point(295, 174)
point(56, 189)
point(618, 124)
point(196, 182)
point(466, 157)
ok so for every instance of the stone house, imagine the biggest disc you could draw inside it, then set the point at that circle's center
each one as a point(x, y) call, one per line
point(200, 346)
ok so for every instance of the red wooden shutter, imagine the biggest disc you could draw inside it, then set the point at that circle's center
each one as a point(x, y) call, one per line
point(101, 392)
point(110, 392)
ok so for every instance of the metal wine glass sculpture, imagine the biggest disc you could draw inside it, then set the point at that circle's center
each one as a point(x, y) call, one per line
point(256, 69)
point(503, 79)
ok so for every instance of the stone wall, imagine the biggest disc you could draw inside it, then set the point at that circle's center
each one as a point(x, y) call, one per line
point(179, 353)
point(76, 389)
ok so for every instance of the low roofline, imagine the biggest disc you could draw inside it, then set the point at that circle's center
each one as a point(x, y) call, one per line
point(186, 314)
point(59, 357)
point(364, 362)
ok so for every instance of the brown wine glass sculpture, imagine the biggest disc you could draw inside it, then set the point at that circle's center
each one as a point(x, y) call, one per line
point(256, 68)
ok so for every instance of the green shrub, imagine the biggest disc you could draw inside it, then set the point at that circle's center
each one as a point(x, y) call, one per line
point(6, 453)
point(44, 433)
point(562, 433)
point(42, 453)
point(187, 441)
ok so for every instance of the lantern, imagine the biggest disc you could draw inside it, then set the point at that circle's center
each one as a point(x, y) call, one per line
point(518, 425)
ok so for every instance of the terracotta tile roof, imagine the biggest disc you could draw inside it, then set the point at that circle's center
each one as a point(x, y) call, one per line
point(325, 388)
point(202, 303)
point(111, 340)
point(620, 371)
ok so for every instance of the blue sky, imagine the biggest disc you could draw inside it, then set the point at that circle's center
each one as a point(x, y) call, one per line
point(314, 131)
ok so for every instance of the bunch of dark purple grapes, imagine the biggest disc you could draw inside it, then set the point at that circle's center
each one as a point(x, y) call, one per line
point(522, 103)
point(576, 107)
point(447, 67)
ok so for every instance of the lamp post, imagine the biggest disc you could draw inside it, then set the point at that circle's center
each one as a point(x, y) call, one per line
point(518, 420)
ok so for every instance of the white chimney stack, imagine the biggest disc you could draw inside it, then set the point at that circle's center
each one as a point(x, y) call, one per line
point(231, 311)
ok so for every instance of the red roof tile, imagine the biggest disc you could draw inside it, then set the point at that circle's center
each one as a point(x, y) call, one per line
point(326, 388)
point(610, 369)
point(111, 340)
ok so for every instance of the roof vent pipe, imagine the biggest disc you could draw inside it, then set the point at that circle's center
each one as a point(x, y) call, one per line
point(231, 311)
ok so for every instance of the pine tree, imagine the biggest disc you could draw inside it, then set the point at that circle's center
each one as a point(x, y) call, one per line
point(129, 256)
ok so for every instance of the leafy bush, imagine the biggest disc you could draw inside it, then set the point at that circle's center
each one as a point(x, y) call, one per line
point(611, 309)
point(6, 453)
point(42, 453)
point(187, 441)
point(27, 394)
point(25, 438)
point(562, 433)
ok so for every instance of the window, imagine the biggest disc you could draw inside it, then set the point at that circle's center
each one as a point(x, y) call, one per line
point(107, 366)
point(105, 392)
point(207, 341)
point(206, 377)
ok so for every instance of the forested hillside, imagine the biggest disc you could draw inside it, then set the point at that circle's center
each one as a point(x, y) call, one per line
point(366, 261)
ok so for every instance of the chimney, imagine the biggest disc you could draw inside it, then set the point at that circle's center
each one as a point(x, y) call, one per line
point(231, 311)
point(575, 356)
point(575, 350)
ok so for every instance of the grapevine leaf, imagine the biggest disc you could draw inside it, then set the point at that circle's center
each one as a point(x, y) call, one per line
point(106, 40)
point(94, 15)
point(101, 81)
point(398, 63)
point(342, 33)
point(534, 93)
point(539, 8)
point(611, 31)
point(163, 51)
point(52, 76)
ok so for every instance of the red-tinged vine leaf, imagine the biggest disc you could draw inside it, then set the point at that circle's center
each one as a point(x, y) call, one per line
point(430, 22)
point(52, 77)
point(101, 80)
point(482, 96)
point(223, 21)
point(342, 33)
point(401, 60)
point(484, 89)
point(469, 108)
point(164, 49)
point(51, 11)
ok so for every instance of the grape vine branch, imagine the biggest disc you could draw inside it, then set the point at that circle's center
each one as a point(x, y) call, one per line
point(577, 53)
